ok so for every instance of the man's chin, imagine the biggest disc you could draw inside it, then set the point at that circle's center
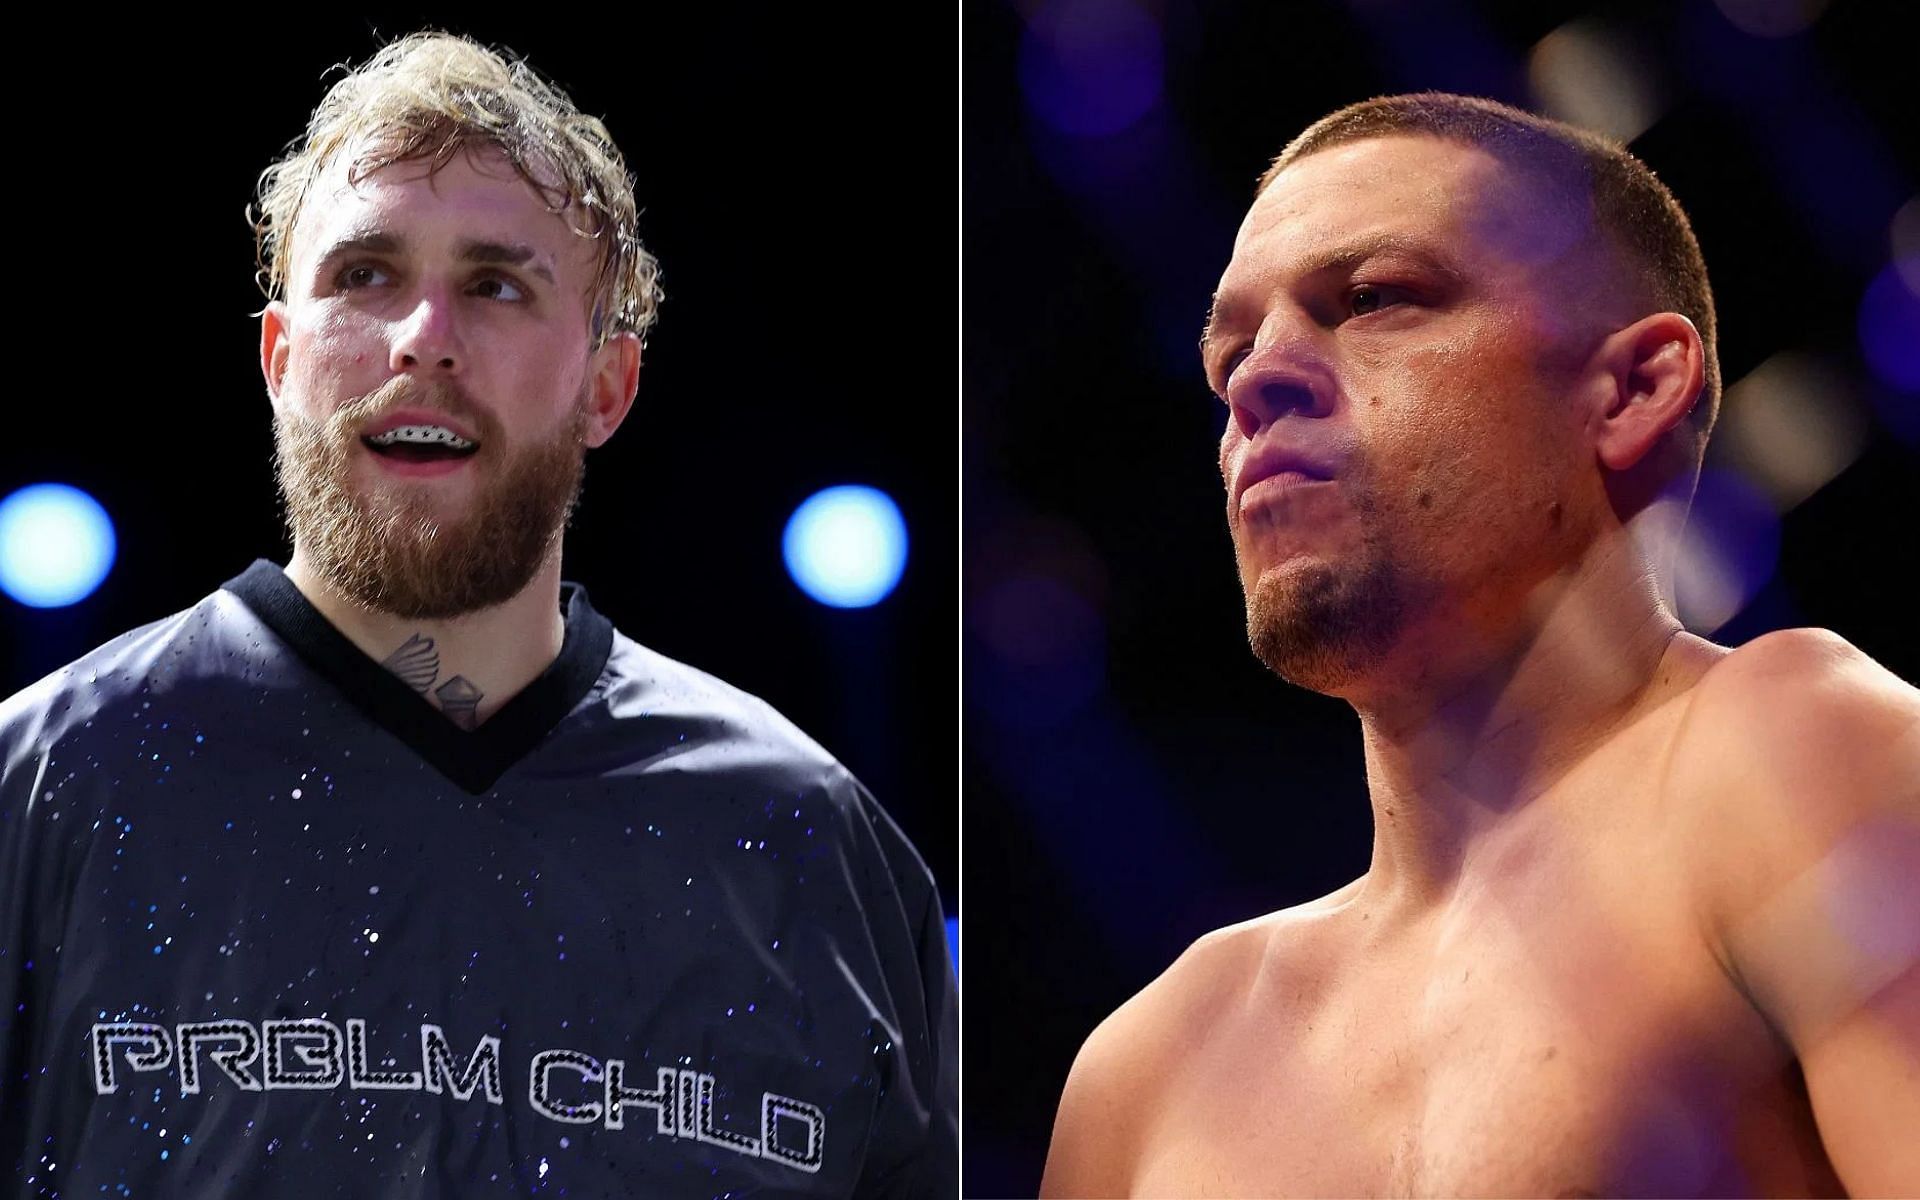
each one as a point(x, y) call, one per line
point(1319, 628)
point(421, 552)
point(427, 572)
point(393, 512)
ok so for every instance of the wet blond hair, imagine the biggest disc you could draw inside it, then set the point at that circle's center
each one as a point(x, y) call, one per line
point(429, 96)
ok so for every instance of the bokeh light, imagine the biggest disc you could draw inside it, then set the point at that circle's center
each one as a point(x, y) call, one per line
point(1592, 75)
point(1091, 67)
point(1772, 18)
point(1790, 425)
point(1040, 620)
point(1890, 330)
point(1727, 552)
point(56, 545)
point(1904, 236)
point(846, 546)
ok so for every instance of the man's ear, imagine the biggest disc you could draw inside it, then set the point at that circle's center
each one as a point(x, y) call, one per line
point(274, 347)
point(1653, 371)
point(613, 377)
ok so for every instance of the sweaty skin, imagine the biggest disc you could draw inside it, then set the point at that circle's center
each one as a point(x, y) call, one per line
point(1642, 913)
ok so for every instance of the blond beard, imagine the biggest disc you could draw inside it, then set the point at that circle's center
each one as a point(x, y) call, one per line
point(388, 549)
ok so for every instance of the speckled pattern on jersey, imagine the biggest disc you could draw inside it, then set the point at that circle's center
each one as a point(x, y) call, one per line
point(271, 925)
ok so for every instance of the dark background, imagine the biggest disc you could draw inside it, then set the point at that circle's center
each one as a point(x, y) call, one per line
point(807, 339)
point(1133, 778)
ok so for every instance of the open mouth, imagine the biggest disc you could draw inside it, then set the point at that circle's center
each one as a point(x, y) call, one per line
point(416, 452)
point(420, 444)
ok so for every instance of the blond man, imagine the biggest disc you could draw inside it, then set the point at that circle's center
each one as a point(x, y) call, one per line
point(399, 871)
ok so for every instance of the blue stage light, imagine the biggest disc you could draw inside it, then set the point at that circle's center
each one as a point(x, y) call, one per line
point(953, 941)
point(56, 545)
point(846, 546)
point(1092, 69)
point(1890, 330)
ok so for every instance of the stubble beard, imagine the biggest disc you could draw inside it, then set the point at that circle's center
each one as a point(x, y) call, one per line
point(1320, 629)
point(388, 548)
point(1321, 625)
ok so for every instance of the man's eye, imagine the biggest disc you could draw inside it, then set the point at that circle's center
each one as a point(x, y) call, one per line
point(493, 287)
point(1370, 298)
point(362, 275)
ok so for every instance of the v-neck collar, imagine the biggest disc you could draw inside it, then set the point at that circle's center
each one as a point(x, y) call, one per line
point(474, 760)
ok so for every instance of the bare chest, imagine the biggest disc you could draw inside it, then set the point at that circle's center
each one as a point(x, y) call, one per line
point(1563, 1034)
point(1544, 1080)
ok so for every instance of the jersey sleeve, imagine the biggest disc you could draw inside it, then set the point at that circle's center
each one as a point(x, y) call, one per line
point(940, 1160)
point(917, 1148)
point(33, 867)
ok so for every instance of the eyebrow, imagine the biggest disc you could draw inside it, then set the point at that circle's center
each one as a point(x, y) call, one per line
point(373, 241)
point(368, 242)
point(1340, 259)
point(511, 254)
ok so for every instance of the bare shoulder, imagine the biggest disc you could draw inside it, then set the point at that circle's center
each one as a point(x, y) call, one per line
point(1801, 656)
point(1798, 757)
point(1801, 792)
point(1800, 722)
point(1108, 1102)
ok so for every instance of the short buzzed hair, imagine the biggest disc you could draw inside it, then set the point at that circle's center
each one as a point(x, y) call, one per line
point(431, 95)
point(1628, 203)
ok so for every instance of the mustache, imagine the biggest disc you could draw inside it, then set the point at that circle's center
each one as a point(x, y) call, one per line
point(406, 391)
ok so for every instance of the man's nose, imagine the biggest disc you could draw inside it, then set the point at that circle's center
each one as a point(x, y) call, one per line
point(1276, 380)
point(427, 337)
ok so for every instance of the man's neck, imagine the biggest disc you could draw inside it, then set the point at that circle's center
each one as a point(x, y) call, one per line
point(467, 666)
point(1469, 726)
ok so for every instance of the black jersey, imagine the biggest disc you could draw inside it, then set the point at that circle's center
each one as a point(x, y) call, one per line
point(272, 925)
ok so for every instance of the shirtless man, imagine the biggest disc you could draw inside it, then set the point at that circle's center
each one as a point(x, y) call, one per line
point(1643, 912)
